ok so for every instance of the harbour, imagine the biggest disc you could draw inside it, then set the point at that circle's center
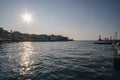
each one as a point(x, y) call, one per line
point(116, 46)
point(57, 60)
point(59, 40)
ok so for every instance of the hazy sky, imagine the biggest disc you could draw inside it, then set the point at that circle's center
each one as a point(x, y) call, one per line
point(77, 19)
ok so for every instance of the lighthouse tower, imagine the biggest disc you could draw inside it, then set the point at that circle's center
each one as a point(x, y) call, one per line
point(99, 38)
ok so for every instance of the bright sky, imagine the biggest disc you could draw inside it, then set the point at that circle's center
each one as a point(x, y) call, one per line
point(77, 19)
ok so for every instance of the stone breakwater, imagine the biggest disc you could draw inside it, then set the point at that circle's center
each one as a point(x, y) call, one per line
point(116, 59)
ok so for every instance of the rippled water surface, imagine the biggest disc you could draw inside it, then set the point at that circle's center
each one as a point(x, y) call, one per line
point(75, 60)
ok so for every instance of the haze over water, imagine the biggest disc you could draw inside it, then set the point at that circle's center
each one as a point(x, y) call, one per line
point(74, 60)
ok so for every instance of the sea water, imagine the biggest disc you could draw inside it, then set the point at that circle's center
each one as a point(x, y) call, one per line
point(72, 60)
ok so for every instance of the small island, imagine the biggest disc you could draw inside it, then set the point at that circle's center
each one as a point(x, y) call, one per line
point(16, 36)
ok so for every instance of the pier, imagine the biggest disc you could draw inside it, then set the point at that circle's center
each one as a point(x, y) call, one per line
point(116, 58)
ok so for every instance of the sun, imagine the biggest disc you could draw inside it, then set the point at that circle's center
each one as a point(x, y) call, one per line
point(27, 17)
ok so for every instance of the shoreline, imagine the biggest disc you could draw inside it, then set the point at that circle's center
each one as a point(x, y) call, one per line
point(2, 42)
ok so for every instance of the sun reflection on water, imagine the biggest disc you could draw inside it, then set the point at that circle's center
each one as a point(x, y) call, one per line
point(26, 58)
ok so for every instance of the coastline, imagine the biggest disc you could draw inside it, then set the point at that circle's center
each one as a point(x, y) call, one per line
point(16, 36)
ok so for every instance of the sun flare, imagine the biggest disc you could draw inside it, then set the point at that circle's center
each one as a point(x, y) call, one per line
point(27, 17)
